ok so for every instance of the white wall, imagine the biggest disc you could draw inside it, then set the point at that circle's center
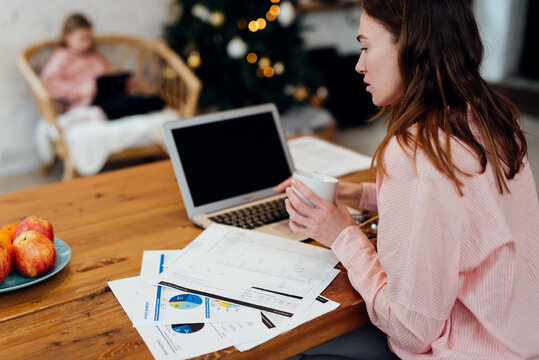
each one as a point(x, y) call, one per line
point(25, 22)
point(501, 23)
point(333, 28)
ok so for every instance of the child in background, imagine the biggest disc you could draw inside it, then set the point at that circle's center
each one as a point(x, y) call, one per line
point(77, 75)
point(70, 73)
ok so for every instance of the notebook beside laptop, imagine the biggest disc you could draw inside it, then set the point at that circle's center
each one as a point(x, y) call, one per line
point(226, 165)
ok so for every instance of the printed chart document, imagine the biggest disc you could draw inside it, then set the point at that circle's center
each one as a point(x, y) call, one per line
point(319, 307)
point(184, 340)
point(252, 269)
point(315, 155)
point(259, 285)
point(164, 305)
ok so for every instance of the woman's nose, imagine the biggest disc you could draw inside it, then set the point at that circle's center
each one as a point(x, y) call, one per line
point(360, 66)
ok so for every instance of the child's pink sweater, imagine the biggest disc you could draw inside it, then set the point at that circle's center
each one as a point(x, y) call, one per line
point(66, 72)
point(454, 277)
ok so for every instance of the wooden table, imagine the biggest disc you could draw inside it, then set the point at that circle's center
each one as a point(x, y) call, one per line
point(108, 221)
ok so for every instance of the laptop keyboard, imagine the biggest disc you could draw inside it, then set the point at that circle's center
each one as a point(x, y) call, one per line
point(254, 216)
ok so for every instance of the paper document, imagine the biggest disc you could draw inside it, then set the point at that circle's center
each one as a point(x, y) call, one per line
point(319, 307)
point(184, 340)
point(315, 155)
point(252, 269)
point(164, 305)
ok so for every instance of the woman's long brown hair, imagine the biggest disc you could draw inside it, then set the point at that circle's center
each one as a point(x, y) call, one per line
point(440, 55)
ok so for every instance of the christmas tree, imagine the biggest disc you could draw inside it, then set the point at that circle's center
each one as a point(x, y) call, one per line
point(246, 52)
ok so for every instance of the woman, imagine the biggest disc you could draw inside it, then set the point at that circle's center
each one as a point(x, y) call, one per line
point(456, 272)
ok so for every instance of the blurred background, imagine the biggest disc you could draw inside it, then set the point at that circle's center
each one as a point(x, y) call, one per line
point(300, 55)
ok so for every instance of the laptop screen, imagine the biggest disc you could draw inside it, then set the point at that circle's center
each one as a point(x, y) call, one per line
point(224, 159)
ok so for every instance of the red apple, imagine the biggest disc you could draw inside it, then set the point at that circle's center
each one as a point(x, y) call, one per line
point(38, 224)
point(34, 253)
point(5, 261)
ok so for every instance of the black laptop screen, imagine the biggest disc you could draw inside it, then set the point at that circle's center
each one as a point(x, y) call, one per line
point(229, 158)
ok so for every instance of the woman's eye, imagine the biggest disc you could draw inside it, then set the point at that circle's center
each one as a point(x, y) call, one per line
point(362, 48)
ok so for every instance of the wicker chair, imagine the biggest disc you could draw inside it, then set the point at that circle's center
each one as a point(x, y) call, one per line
point(156, 70)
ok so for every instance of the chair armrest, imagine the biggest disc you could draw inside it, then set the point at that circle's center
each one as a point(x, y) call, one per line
point(44, 100)
point(191, 81)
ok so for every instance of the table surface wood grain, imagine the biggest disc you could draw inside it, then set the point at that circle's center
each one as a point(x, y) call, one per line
point(108, 221)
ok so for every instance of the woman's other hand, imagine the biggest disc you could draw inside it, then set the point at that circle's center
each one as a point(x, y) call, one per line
point(349, 191)
point(324, 222)
point(282, 186)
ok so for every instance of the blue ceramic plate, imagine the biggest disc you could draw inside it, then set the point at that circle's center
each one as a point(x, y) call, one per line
point(16, 281)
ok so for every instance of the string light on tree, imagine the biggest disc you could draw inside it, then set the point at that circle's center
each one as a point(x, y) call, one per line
point(274, 10)
point(268, 72)
point(261, 23)
point(253, 26)
point(231, 41)
point(242, 24)
point(252, 58)
point(258, 24)
point(270, 16)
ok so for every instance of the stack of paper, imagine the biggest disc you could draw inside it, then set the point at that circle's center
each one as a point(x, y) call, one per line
point(316, 155)
point(228, 287)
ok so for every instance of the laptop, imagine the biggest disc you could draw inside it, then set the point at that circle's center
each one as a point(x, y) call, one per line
point(227, 164)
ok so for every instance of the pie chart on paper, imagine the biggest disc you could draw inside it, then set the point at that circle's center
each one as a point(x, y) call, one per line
point(187, 328)
point(185, 301)
point(226, 304)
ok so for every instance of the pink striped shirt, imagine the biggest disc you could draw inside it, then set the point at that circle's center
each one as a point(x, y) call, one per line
point(454, 277)
point(67, 72)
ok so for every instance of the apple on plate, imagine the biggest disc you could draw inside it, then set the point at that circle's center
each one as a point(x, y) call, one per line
point(38, 224)
point(34, 254)
point(5, 261)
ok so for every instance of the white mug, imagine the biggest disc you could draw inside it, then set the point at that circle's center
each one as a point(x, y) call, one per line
point(322, 185)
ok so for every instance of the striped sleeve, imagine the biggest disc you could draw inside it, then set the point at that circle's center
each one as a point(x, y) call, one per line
point(411, 289)
point(368, 200)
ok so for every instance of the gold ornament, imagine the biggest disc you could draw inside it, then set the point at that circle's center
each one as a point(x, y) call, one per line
point(264, 62)
point(194, 60)
point(217, 18)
